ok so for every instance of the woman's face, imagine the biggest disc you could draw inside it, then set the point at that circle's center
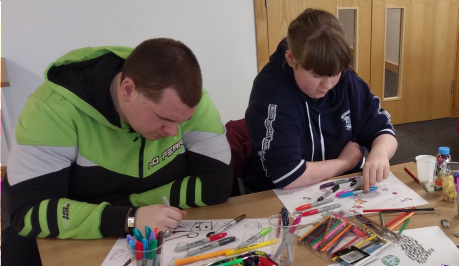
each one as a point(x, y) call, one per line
point(313, 85)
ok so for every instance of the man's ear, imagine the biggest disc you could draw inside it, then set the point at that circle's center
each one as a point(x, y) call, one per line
point(127, 88)
point(289, 58)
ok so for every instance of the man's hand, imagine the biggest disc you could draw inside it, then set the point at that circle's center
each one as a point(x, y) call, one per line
point(158, 216)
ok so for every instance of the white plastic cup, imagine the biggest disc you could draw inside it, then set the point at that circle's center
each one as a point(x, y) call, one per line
point(426, 167)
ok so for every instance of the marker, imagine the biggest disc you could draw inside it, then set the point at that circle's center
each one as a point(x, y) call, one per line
point(201, 257)
point(356, 192)
point(138, 253)
point(318, 210)
point(255, 237)
point(151, 255)
point(328, 193)
point(157, 259)
point(313, 204)
point(337, 182)
point(137, 234)
point(230, 224)
point(201, 242)
point(212, 245)
point(232, 262)
point(251, 247)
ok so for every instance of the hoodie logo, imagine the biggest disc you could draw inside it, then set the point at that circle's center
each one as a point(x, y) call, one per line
point(66, 215)
point(346, 117)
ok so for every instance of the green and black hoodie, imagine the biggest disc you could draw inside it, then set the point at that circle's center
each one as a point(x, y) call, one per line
point(75, 168)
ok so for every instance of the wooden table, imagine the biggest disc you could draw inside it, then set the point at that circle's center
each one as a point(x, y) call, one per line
point(256, 205)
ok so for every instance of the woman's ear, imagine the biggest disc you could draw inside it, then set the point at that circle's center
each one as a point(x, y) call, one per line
point(289, 58)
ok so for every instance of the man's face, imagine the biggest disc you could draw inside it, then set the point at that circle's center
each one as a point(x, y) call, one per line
point(156, 120)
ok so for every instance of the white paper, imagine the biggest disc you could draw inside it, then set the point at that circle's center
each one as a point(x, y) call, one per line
point(391, 193)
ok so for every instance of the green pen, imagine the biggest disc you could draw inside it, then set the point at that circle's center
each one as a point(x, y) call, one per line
point(255, 237)
point(151, 255)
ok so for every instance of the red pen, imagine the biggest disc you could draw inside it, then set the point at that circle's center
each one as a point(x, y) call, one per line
point(263, 261)
point(313, 204)
point(325, 208)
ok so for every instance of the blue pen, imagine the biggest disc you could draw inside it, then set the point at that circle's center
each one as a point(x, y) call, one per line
point(137, 234)
point(147, 232)
point(356, 192)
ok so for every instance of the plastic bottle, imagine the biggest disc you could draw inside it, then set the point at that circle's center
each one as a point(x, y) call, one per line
point(443, 157)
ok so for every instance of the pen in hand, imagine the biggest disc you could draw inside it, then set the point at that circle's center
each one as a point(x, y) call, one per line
point(168, 205)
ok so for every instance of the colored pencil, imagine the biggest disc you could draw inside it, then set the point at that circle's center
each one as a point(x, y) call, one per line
point(399, 210)
point(401, 221)
point(314, 228)
point(397, 218)
point(403, 226)
point(412, 176)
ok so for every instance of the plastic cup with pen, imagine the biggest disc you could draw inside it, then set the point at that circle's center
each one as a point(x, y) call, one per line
point(284, 228)
point(145, 252)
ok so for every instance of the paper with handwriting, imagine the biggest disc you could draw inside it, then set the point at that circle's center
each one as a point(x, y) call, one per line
point(391, 193)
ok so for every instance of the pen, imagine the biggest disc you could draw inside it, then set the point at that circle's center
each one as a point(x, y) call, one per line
point(337, 182)
point(230, 224)
point(168, 205)
point(157, 260)
point(201, 242)
point(355, 192)
point(145, 248)
point(255, 237)
point(286, 240)
point(329, 192)
point(201, 257)
point(212, 245)
point(147, 232)
point(319, 210)
point(412, 176)
point(137, 234)
point(313, 204)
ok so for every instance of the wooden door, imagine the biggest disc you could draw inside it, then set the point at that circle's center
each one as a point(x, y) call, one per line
point(427, 54)
point(427, 58)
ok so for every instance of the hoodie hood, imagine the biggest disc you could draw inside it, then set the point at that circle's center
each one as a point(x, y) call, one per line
point(83, 77)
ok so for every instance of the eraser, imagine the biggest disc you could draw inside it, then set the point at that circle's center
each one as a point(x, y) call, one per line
point(428, 186)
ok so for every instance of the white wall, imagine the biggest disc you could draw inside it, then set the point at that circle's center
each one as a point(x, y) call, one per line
point(220, 32)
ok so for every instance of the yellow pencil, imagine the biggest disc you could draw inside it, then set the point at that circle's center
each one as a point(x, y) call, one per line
point(255, 246)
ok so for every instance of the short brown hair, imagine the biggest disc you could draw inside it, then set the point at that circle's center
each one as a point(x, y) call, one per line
point(316, 40)
point(161, 63)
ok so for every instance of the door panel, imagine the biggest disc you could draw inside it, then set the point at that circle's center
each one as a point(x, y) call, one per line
point(427, 58)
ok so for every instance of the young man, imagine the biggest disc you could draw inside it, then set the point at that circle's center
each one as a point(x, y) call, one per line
point(109, 133)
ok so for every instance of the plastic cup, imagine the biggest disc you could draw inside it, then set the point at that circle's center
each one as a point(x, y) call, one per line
point(426, 167)
point(149, 257)
point(283, 251)
point(449, 182)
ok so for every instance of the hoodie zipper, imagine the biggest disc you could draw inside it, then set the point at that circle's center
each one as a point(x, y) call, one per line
point(141, 151)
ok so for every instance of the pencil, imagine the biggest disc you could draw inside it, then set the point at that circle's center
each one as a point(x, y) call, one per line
point(413, 176)
point(401, 221)
point(399, 210)
point(315, 227)
point(326, 232)
point(336, 238)
point(403, 226)
point(397, 218)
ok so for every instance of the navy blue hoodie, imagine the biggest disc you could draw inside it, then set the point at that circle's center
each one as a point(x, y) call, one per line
point(289, 129)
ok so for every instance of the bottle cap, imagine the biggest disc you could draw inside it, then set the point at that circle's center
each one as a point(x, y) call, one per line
point(443, 150)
